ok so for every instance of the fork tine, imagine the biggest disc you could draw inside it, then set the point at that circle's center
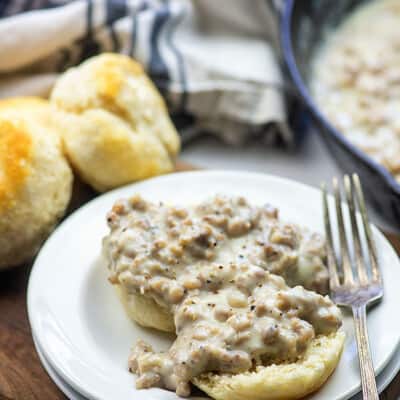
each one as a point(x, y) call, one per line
point(367, 228)
point(361, 269)
point(346, 266)
point(332, 262)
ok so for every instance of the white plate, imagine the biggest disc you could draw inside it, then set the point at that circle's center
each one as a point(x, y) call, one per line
point(68, 390)
point(383, 380)
point(83, 331)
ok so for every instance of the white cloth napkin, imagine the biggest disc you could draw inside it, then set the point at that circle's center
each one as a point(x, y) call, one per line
point(214, 60)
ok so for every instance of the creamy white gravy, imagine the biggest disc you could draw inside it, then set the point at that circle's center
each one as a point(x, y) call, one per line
point(356, 80)
point(214, 266)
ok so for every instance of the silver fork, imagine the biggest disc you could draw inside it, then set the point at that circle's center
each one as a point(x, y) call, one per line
point(359, 287)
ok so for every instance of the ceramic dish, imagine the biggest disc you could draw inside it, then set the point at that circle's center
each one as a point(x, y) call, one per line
point(71, 393)
point(83, 331)
point(303, 25)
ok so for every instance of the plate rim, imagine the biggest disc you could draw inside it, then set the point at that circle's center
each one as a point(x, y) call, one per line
point(59, 381)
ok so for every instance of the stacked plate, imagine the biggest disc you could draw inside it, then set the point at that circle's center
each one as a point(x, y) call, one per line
point(83, 336)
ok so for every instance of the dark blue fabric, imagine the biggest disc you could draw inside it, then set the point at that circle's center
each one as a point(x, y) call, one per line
point(28, 5)
point(115, 10)
point(157, 67)
point(180, 62)
point(89, 45)
point(3, 7)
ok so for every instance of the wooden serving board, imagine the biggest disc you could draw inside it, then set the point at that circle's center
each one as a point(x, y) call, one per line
point(22, 376)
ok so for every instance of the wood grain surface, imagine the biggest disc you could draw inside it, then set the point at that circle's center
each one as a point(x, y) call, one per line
point(22, 376)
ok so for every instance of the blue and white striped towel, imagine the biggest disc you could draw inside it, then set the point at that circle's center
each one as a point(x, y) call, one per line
point(214, 60)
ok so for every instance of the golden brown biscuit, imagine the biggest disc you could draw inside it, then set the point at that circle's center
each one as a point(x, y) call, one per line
point(279, 381)
point(116, 127)
point(35, 179)
point(145, 311)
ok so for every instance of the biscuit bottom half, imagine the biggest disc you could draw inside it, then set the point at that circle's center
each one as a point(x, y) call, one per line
point(287, 381)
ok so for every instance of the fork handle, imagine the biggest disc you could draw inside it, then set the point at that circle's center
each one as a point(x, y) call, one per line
point(368, 381)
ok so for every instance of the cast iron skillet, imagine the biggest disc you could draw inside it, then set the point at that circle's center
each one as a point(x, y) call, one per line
point(303, 25)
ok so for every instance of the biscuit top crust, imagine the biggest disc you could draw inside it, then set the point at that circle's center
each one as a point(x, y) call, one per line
point(110, 73)
point(15, 154)
point(22, 119)
point(119, 86)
